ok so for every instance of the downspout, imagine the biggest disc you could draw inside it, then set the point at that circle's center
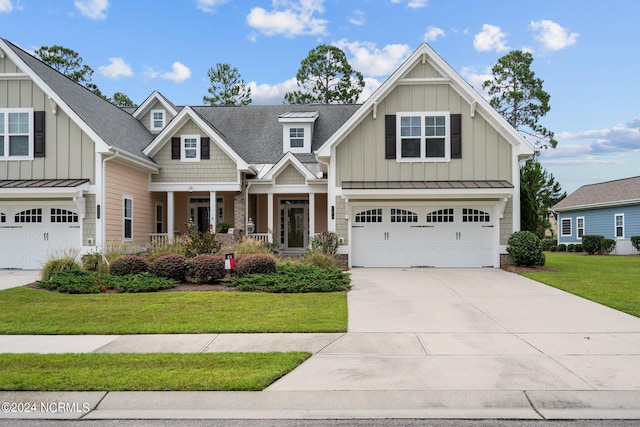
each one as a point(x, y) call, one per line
point(103, 197)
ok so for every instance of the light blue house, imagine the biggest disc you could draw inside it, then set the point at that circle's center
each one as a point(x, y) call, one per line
point(610, 209)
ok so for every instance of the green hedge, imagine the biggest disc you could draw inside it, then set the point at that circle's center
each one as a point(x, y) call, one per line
point(524, 248)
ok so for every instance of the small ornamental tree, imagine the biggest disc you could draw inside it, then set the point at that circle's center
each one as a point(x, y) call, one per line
point(525, 249)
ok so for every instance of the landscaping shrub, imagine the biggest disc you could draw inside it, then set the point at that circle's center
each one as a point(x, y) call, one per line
point(250, 246)
point(294, 278)
point(77, 282)
point(59, 265)
point(562, 247)
point(128, 264)
point(198, 243)
point(326, 242)
point(524, 248)
point(547, 243)
point(159, 247)
point(255, 264)
point(143, 282)
point(170, 266)
point(571, 247)
point(94, 261)
point(578, 247)
point(591, 243)
point(223, 227)
point(553, 249)
point(319, 259)
point(207, 268)
point(635, 241)
point(607, 246)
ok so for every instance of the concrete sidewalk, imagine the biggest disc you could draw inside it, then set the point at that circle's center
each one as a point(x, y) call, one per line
point(421, 344)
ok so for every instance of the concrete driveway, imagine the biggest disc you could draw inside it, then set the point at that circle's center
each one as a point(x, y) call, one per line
point(15, 278)
point(472, 329)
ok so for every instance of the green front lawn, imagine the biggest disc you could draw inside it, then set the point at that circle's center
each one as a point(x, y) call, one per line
point(31, 311)
point(145, 372)
point(607, 279)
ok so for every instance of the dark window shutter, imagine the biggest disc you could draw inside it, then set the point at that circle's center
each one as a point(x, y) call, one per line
point(204, 148)
point(38, 134)
point(390, 136)
point(175, 148)
point(456, 136)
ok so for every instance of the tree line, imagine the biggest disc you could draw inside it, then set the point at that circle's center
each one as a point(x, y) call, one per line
point(326, 77)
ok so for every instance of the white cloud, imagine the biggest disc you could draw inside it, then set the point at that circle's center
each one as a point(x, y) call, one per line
point(289, 18)
point(357, 18)
point(490, 38)
point(209, 6)
point(150, 74)
point(370, 86)
point(433, 33)
point(372, 61)
point(5, 6)
point(116, 68)
point(416, 4)
point(476, 78)
point(552, 35)
point(92, 9)
point(179, 73)
point(266, 94)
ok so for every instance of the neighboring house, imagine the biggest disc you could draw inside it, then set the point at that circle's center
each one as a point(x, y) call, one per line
point(610, 209)
point(424, 173)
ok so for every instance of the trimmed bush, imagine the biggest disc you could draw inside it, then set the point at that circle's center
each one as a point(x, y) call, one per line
point(524, 248)
point(547, 243)
point(578, 247)
point(207, 268)
point(591, 243)
point(255, 264)
point(319, 259)
point(128, 264)
point(571, 247)
point(78, 282)
point(170, 266)
point(635, 241)
point(607, 246)
point(294, 278)
point(562, 247)
point(59, 265)
point(553, 248)
point(143, 282)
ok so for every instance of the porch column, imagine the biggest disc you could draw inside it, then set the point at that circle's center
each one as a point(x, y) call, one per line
point(312, 217)
point(270, 216)
point(170, 216)
point(213, 210)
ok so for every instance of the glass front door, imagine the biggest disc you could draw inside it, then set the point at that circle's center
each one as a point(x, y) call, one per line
point(295, 227)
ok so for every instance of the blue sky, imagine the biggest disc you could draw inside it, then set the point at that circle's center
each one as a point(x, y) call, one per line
point(584, 50)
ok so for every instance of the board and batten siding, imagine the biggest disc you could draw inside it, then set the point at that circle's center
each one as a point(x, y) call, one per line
point(122, 180)
point(218, 168)
point(69, 152)
point(486, 155)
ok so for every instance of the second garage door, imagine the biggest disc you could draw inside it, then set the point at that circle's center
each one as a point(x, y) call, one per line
point(422, 236)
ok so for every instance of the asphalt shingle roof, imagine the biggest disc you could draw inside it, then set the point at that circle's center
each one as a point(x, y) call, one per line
point(603, 193)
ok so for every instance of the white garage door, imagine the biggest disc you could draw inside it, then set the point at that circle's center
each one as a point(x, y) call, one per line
point(422, 236)
point(29, 235)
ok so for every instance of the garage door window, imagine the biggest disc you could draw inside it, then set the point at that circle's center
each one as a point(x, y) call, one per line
point(371, 215)
point(403, 215)
point(474, 215)
point(30, 215)
point(442, 215)
point(3, 217)
point(63, 215)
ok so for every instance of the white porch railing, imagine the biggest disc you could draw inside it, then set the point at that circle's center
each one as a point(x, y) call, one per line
point(159, 238)
point(260, 237)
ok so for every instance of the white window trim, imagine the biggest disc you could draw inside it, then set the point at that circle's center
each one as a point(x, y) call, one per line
point(584, 226)
point(183, 151)
point(286, 137)
point(423, 149)
point(6, 112)
point(570, 227)
point(615, 226)
point(124, 219)
point(152, 121)
point(160, 220)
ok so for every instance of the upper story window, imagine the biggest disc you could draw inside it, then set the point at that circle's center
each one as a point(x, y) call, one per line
point(296, 137)
point(157, 119)
point(190, 148)
point(16, 133)
point(423, 136)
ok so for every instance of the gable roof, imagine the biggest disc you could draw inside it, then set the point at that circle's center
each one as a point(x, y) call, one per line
point(290, 159)
point(478, 104)
point(108, 125)
point(155, 97)
point(609, 193)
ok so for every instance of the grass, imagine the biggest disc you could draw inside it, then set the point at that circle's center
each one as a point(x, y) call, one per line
point(31, 311)
point(145, 372)
point(610, 280)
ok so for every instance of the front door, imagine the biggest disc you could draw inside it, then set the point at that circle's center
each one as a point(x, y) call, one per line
point(294, 222)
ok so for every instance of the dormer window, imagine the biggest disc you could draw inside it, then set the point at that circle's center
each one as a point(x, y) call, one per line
point(297, 130)
point(296, 137)
point(157, 119)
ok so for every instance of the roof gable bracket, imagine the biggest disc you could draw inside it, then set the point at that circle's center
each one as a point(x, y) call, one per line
point(375, 110)
point(54, 106)
point(472, 112)
point(501, 205)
